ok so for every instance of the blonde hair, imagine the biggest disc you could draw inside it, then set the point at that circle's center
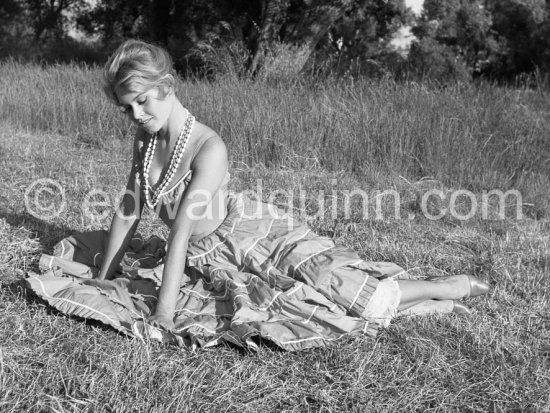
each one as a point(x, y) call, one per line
point(138, 67)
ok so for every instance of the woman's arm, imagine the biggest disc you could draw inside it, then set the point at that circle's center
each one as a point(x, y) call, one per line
point(122, 230)
point(123, 225)
point(209, 169)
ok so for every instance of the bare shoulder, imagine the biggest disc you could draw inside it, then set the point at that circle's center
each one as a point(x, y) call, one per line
point(202, 130)
point(213, 151)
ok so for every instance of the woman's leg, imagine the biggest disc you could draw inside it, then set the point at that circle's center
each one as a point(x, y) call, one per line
point(446, 288)
point(436, 307)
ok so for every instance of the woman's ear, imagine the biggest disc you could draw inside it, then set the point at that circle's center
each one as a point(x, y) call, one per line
point(165, 91)
point(171, 83)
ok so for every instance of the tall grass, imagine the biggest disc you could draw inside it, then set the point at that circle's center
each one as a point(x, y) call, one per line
point(477, 136)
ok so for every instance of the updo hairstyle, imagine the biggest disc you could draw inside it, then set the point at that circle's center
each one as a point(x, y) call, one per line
point(138, 67)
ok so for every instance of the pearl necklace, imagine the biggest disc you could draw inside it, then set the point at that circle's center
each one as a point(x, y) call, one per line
point(152, 197)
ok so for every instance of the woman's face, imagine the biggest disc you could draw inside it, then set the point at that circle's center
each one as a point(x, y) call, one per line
point(150, 110)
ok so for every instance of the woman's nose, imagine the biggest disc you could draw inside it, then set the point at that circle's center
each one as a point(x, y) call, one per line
point(137, 113)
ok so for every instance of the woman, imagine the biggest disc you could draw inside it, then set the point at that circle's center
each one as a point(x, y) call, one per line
point(180, 170)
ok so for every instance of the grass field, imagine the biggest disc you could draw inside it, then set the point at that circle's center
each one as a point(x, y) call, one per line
point(292, 135)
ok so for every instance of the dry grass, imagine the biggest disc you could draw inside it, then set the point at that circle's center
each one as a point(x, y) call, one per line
point(498, 359)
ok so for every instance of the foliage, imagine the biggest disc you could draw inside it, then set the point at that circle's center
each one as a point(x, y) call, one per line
point(197, 31)
point(500, 39)
point(457, 35)
point(521, 26)
point(12, 26)
point(358, 41)
point(455, 39)
point(436, 62)
point(114, 20)
point(49, 17)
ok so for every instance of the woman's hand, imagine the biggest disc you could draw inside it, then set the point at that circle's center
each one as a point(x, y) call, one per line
point(162, 321)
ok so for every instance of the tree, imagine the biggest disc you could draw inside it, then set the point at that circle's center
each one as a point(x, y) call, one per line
point(363, 32)
point(459, 31)
point(342, 30)
point(499, 39)
point(48, 17)
point(10, 12)
point(520, 27)
point(115, 19)
point(270, 17)
point(193, 28)
point(12, 26)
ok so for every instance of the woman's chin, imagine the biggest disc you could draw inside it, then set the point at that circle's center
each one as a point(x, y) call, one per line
point(149, 128)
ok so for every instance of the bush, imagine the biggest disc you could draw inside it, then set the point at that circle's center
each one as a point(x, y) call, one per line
point(429, 59)
point(65, 50)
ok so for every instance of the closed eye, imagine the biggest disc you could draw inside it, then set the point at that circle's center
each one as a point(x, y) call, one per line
point(140, 101)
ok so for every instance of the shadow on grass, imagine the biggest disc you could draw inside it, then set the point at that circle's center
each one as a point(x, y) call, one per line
point(18, 290)
point(48, 233)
